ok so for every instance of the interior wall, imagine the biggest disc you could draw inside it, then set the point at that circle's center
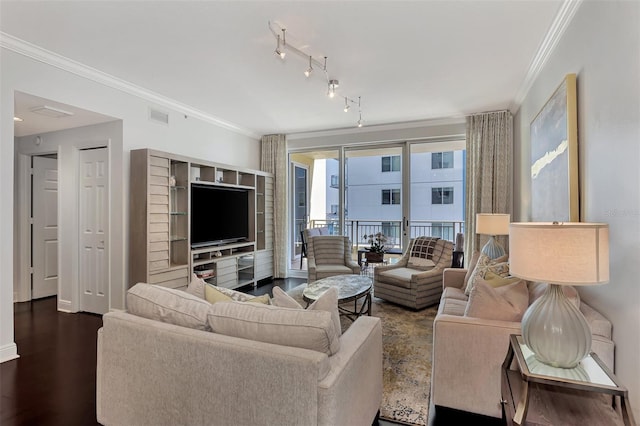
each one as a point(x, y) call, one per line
point(602, 46)
point(185, 136)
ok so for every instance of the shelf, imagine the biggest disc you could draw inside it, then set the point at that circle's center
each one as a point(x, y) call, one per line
point(178, 239)
point(242, 283)
point(178, 213)
point(176, 187)
point(244, 268)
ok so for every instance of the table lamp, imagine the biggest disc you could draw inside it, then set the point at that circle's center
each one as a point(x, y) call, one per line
point(559, 254)
point(492, 224)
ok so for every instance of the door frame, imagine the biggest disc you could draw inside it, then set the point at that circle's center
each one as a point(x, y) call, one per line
point(292, 207)
point(68, 240)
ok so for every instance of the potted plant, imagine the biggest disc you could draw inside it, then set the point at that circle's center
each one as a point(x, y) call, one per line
point(375, 251)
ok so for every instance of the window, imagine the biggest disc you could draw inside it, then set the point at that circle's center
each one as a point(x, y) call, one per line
point(334, 209)
point(334, 181)
point(391, 163)
point(392, 231)
point(390, 196)
point(442, 160)
point(442, 195)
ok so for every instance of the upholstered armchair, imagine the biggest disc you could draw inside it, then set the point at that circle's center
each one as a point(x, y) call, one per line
point(329, 255)
point(415, 280)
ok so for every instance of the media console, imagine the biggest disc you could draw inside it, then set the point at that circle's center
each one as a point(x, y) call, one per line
point(168, 192)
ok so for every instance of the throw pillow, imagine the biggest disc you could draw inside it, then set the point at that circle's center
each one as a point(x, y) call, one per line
point(536, 290)
point(421, 253)
point(196, 286)
point(495, 280)
point(498, 266)
point(281, 326)
point(213, 295)
point(168, 305)
point(326, 302)
point(239, 296)
point(471, 266)
point(506, 303)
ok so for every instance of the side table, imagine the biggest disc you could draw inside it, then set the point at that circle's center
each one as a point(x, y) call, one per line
point(538, 394)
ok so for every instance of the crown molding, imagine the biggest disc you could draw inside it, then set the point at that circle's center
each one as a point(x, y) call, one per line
point(30, 50)
point(378, 128)
point(559, 25)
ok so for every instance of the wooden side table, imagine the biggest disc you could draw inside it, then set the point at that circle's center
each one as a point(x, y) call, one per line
point(538, 394)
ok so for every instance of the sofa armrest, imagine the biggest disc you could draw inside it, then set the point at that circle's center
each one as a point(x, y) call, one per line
point(453, 277)
point(467, 356)
point(352, 391)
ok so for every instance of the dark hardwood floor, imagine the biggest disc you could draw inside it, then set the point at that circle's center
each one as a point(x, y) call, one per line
point(54, 383)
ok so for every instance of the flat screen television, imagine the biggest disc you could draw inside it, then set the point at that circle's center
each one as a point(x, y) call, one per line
point(219, 215)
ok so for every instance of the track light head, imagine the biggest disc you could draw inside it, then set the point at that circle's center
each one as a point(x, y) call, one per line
point(360, 120)
point(309, 70)
point(333, 85)
point(280, 52)
point(346, 105)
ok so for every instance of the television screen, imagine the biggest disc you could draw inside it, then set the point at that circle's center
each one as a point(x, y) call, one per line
point(218, 215)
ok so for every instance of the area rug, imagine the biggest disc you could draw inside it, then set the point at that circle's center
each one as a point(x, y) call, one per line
point(407, 338)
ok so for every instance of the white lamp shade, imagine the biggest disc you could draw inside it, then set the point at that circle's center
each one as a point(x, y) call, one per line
point(568, 253)
point(492, 223)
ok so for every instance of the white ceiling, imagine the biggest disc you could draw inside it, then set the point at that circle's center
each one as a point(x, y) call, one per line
point(409, 61)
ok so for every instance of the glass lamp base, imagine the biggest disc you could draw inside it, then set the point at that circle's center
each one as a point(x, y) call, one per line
point(493, 249)
point(555, 330)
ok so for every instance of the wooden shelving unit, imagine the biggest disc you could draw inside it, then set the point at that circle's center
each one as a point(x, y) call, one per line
point(160, 246)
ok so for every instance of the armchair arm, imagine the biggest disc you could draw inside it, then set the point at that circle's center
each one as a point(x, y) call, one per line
point(354, 266)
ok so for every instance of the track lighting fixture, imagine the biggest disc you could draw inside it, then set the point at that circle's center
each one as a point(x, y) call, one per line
point(309, 70)
point(332, 84)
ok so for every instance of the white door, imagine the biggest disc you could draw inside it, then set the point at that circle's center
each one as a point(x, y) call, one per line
point(44, 244)
point(94, 231)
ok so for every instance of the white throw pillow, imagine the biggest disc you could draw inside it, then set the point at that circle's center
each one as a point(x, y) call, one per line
point(485, 264)
point(506, 303)
point(326, 302)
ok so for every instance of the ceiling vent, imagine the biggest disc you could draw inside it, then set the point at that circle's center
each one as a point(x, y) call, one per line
point(158, 116)
point(48, 111)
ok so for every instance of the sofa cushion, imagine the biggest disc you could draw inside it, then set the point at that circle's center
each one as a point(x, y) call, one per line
point(451, 306)
point(600, 326)
point(271, 324)
point(454, 293)
point(328, 301)
point(506, 303)
point(168, 305)
point(498, 266)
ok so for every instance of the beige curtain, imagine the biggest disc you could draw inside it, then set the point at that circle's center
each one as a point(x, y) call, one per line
point(274, 160)
point(488, 183)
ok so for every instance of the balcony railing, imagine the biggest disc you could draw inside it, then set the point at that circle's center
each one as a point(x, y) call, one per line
point(357, 229)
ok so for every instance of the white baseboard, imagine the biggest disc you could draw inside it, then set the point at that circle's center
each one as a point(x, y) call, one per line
point(64, 305)
point(8, 352)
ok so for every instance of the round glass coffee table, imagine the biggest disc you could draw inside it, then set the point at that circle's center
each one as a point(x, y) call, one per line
point(351, 288)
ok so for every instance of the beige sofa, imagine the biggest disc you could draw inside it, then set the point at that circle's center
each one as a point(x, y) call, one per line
point(468, 352)
point(156, 373)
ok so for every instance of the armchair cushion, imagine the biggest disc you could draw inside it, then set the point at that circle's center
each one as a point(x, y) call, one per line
point(399, 276)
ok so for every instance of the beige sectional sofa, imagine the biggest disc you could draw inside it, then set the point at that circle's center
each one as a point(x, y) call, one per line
point(468, 352)
point(156, 372)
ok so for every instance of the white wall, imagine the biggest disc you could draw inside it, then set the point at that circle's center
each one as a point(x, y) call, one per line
point(602, 46)
point(186, 136)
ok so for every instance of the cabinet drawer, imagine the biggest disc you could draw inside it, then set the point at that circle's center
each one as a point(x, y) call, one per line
point(175, 274)
point(158, 190)
point(159, 245)
point(156, 265)
point(158, 236)
point(226, 263)
point(159, 255)
point(228, 270)
point(159, 227)
point(159, 161)
point(159, 180)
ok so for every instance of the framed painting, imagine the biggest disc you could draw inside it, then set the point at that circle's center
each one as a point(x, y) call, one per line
point(554, 157)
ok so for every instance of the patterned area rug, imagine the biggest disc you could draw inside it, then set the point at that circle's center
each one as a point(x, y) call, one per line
point(407, 338)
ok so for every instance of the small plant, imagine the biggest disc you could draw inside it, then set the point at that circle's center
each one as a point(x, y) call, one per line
point(376, 242)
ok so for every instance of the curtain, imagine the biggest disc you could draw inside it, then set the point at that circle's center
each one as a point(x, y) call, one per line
point(488, 182)
point(274, 160)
